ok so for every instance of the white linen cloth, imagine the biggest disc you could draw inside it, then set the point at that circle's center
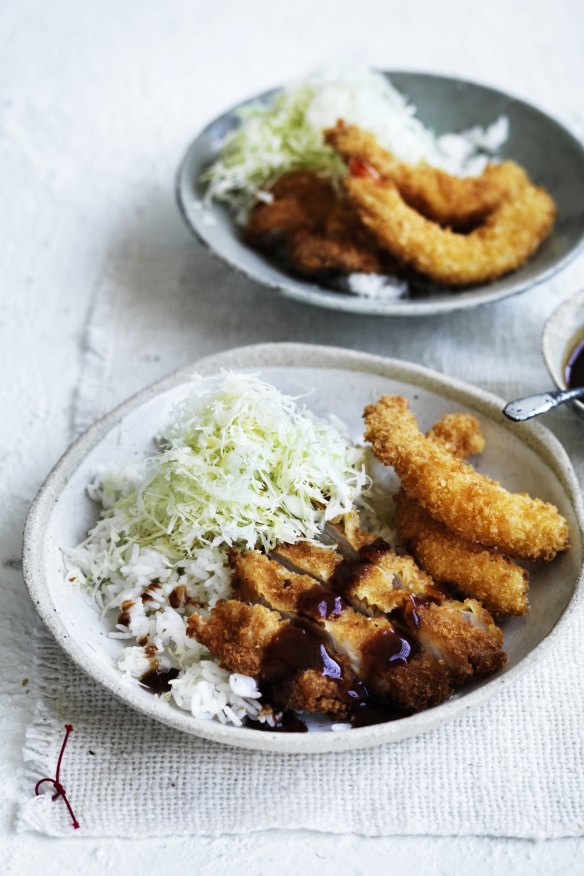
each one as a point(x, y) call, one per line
point(512, 767)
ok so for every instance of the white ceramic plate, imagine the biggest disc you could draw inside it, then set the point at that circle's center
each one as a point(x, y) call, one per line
point(551, 154)
point(525, 457)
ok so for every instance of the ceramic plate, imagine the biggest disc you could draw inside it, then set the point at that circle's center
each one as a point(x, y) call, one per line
point(553, 157)
point(525, 457)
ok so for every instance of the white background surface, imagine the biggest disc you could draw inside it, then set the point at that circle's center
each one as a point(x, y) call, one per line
point(97, 103)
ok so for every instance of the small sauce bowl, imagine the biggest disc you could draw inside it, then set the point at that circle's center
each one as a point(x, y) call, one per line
point(562, 332)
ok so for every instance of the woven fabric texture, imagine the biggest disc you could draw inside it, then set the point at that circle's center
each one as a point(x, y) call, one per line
point(512, 767)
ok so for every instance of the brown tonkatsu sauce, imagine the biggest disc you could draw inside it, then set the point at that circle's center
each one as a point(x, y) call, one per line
point(285, 722)
point(384, 648)
point(124, 616)
point(295, 649)
point(408, 616)
point(158, 680)
point(374, 713)
point(147, 594)
point(574, 368)
point(347, 573)
point(320, 603)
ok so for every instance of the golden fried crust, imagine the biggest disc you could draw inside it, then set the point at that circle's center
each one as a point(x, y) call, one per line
point(419, 682)
point(460, 434)
point(470, 504)
point(311, 221)
point(256, 578)
point(389, 580)
point(465, 636)
point(301, 200)
point(347, 529)
point(373, 586)
point(239, 635)
point(504, 242)
point(371, 645)
point(311, 253)
point(459, 203)
point(312, 692)
point(475, 571)
point(315, 560)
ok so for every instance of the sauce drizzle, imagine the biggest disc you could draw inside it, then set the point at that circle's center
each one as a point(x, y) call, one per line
point(320, 603)
point(158, 680)
point(574, 368)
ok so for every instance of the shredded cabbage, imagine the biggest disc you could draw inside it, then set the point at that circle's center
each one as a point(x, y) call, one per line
point(273, 139)
point(241, 464)
point(286, 134)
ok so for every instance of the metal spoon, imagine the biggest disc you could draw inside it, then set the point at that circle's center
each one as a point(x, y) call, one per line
point(540, 403)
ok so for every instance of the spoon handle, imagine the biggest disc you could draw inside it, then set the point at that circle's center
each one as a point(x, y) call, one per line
point(540, 403)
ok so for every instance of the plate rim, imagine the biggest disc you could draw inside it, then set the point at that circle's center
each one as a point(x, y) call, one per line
point(297, 290)
point(258, 356)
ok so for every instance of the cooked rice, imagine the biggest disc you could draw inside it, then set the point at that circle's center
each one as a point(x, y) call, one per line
point(144, 546)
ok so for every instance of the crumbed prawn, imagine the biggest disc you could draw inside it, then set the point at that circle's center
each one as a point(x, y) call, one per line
point(506, 239)
point(467, 502)
point(459, 433)
point(474, 570)
point(456, 202)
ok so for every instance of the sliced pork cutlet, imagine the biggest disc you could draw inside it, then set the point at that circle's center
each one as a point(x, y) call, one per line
point(294, 666)
point(373, 578)
point(392, 668)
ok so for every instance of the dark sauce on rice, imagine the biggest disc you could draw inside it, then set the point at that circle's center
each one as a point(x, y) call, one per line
point(285, 722)
point(157, 680)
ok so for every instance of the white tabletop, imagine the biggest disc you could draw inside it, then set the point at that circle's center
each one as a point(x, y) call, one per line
point(98, 102)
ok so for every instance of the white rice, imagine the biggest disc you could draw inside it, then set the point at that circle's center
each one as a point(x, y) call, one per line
point(133, 573)
point(286, 133)
point(202, 687)
point(376, 286)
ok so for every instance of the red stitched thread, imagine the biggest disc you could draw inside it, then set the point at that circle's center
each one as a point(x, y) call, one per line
point(59, 789)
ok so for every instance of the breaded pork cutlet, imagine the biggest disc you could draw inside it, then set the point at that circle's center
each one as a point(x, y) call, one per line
point(304, 673)
point(313, 253)
point(299, 201)
point(390, 666)
point(461, 635)
point(309, 221)
point(468, 503)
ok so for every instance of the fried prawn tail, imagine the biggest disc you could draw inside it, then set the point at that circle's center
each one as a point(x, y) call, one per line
point(504, 242)
point(470, 504)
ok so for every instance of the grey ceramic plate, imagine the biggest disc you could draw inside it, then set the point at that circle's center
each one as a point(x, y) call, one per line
point(523, 457)
point(553, 157)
